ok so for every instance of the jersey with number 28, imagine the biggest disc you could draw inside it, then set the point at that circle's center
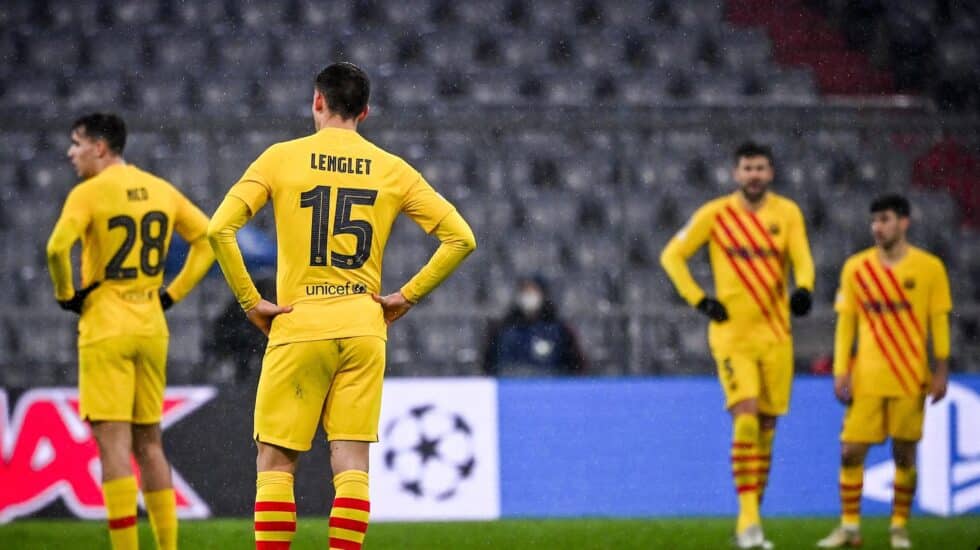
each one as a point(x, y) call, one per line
point(335, 197)
point(125, 218)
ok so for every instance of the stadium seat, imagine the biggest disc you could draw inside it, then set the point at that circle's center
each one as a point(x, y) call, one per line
point(232, 96)
point(180, 52)
point(108, 51)
point(235, 49)
point(285, 96)
point(162, 95)
point(267, 13)
point(106, 93)
point(202, 14)
point(306, 53)
point(134, 12)
point(324, 16)
point(62, 49)
point(367, 50)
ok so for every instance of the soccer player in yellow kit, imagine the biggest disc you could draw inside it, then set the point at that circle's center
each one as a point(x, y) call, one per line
point(335, 197)
point(125, 218)
point(895, 296)
point(753, 235)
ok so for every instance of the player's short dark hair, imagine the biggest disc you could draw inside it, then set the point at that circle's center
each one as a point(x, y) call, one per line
point(748, 149)
point(346, 88)
point(105, 126)
point(892, 201)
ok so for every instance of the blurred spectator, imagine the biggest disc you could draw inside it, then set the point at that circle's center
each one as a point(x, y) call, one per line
point(234, 343)
point(951, 167)
point(532, 340)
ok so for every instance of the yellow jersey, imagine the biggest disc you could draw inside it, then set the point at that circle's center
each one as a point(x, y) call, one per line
point(895, 307)
point(335, 197)
point(750, 254)
point(125, 218)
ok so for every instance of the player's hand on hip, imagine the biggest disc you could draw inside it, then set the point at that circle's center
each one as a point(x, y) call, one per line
point(714, 309)
point(842, 388)
point(800, 302)
point(264, 312)
point(76, 302)
point(937, 388)
point(394, 306)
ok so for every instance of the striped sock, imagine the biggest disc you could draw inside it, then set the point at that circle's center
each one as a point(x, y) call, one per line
point(765, 459)
point(275, 511)
point(904, 492)
point(350, 512)
point(851, 483)
point(120, 504)
point(745, 437)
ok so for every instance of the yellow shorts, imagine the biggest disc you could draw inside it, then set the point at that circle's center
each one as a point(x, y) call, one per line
point(336, 382)
point(872, 418)
point(122, 378)
point(765, 374)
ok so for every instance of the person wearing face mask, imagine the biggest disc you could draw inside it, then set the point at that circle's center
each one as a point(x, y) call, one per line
point(754, 236)
point(531, 340)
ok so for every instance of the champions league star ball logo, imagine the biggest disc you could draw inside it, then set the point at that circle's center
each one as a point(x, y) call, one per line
point(431, 452)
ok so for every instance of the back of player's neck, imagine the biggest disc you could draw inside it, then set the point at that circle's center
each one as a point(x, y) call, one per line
point(110, 162)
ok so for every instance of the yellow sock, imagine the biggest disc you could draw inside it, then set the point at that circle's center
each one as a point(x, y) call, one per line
point(351, 510)
point(120, 505)
point(745, 437)
point(162, 509)
point(275, 511)
point(851, 483)
point(904, 492)
point(765, 459)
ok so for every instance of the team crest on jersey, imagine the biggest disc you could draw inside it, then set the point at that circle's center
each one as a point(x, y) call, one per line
point(909, 283)
point(773, 229)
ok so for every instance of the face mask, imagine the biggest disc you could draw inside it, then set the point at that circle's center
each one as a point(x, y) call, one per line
point(530, 301)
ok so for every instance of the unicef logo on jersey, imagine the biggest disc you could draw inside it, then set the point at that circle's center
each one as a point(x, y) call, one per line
point(948, 461)
point(331, 289)
point(430, 451)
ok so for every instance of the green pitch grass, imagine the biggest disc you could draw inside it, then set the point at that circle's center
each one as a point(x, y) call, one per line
point(706, 533)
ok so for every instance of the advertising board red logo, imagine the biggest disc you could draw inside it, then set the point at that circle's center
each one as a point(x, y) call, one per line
point(47, 453)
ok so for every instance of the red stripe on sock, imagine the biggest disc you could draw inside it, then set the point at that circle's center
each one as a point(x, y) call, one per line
point(281, 526)
point(904, 490)
point(351, 524)
point(851, 500)
point(122, 523)
point(737, 445)
point(745, 458)
point(272, 506)
point(352, 503)
point(851, 509)
point(854, 487)
point(344, 544)
point(271, 545)
point(746, 488)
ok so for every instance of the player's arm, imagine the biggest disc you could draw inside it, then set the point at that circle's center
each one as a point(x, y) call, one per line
point(674, 258)
point(435, 215)
point(457, 241)
point(68, 229)
point(803, 270)
point(243, 201)
point(846, 306)
point(940, 304)
point(192, 225)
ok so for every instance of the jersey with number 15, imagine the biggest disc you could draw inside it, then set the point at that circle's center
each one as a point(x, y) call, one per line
point(335, 197)
point(125, 218)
